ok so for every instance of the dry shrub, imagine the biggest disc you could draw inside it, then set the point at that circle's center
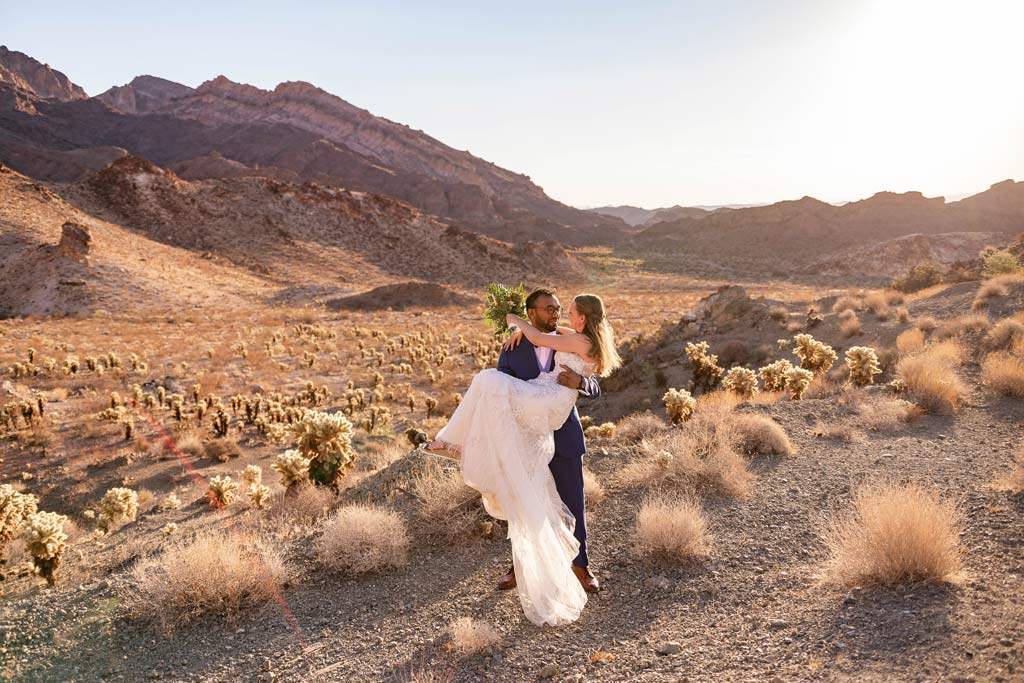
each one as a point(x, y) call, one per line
point(1004, 373)
point(376, 456)
point(223, 449)
point(961, 325)
point(190, 443)
point(886, 414)
point(821, 387)
point(990, 289)
point(931, 379)
point(640, 426)
point(846, 303)
point(926, 324)
point(216, 573)
point(360, 538)
point(303, 504)
point(838, 431)
point(700, 454)
point(1004, 335)
point(850, 326)
point(470, 636)
point(877, 303)
point(894, 534)
point(778, 313)
point(672, 528)
point(760, 434)
point(448, 507)
point(910, 341)
point(593, 490)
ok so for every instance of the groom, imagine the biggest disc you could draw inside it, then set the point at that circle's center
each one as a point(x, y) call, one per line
point(527, 361)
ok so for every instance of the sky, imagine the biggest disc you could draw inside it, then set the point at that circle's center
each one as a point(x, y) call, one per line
point(642, 103)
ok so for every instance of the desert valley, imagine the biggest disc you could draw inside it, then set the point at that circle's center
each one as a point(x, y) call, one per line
point(810, 466)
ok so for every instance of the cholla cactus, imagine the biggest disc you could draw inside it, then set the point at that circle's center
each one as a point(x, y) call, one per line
point(741, 381)
point(679, 405)
point(222, 491)
point(456, 399)
point(169, 528)
point(814, 355)
point(797, 381)
point(706, 372)
point(44, 532)
point(898, 386)
point(293, 467)
point(773, 375)
point(327, 440)
point(258, 495)
point(15, 508)
point(602, 431)
point(118, 504)
point(171, 502)
point(863, 364)
point(431, 404)
point(253, 474)
point(71, 365)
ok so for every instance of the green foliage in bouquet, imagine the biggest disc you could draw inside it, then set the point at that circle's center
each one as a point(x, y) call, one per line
point(501, 301)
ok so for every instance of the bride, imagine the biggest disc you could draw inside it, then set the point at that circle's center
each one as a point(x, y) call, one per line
point(503, 433)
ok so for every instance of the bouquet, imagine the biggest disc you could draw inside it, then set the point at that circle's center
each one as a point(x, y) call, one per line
point(501, 301)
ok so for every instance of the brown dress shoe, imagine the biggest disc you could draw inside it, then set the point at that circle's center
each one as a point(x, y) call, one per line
point(508, 582)
point(587, 579)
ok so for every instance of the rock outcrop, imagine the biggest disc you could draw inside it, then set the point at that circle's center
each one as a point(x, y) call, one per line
point(20, 70)
point(75, 242)
point(143, 94)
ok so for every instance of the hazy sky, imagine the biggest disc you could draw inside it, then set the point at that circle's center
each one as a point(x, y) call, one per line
point(645, 103)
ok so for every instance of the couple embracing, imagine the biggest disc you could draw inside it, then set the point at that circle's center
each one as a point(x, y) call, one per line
point(520, 443)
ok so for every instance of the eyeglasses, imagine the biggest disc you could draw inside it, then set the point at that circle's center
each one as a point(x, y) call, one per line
point(551, 310)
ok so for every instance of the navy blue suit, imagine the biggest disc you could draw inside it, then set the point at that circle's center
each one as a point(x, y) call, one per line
point(567, 465)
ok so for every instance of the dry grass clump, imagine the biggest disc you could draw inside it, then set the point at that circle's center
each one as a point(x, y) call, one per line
point(926, 323)
point(1004, 373)
point(640, 426)
point(1004, 335)
point(360, 538)
point(302, 504)
point(961, 325)
point(910, 341)
point(778, 313)
point(672, 528)
point(930, 379)
point(988, 290)
point(886, 414)
point(448, 507)
point(759, 434)
point(215, 573)
point(593, 490)
point(850, 325)
point(701, 454)
point(846, 303)
point(894, 534)
point(470, 636)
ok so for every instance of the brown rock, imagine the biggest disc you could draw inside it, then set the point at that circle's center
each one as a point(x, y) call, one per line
point(75, 241)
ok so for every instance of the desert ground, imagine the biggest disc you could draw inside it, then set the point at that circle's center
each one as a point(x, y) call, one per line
point(751, 601)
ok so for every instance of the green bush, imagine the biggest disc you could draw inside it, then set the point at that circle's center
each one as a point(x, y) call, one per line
point(999, 262)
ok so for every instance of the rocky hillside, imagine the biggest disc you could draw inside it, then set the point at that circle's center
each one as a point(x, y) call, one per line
point(295, 130)
point(232, 239)
point(24, 72)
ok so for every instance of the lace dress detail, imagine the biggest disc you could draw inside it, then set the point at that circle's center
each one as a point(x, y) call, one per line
point(504, 427)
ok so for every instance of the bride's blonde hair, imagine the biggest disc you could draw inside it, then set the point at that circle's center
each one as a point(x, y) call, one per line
point(599, 331)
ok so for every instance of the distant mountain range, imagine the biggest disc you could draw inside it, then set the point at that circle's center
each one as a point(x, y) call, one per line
point(51, 130)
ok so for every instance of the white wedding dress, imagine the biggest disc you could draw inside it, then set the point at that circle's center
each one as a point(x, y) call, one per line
point(504, 428)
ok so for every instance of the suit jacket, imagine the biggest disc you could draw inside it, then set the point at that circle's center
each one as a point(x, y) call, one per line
point(521, 362)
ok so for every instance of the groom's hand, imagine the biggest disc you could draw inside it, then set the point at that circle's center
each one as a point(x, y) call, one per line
point(570, 378)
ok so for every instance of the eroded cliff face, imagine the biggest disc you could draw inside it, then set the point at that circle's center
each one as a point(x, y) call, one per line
point(144, 94)
point(23, 71)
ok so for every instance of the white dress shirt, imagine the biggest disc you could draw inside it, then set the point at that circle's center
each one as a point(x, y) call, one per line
point(544, 355)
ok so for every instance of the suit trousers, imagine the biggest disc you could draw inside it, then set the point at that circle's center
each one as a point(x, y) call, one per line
point(568, 474)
